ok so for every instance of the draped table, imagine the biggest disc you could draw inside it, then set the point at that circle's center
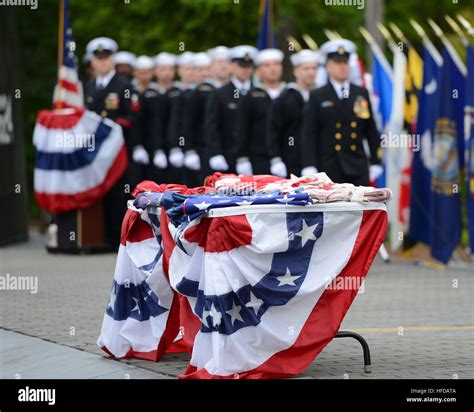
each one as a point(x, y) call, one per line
point(249, 291)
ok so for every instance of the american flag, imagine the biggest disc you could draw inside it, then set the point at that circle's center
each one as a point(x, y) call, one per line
point(68, 91)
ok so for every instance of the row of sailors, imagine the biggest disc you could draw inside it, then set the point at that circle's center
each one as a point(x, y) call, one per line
point(231, 112)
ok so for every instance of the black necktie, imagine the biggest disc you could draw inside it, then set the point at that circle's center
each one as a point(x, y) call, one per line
point(343, 93)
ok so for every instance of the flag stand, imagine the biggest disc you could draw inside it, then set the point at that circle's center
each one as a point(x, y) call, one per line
point(82, 230)
point(364, 344)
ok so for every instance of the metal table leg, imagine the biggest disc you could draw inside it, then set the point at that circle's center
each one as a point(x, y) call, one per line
point(364, 344)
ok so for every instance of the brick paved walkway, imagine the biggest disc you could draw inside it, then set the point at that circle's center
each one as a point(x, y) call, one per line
point(419, 322)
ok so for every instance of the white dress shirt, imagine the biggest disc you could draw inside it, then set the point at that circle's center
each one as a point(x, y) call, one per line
point(102, 82)
point(242, 87)
point(341, 88)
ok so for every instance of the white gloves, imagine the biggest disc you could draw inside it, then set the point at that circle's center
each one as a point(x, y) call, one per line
point(140, 156)
point(277, 167)
point(243, 166)
point(176, 157)
point(375, 171)
point(310, 170)
point(160, 160)
point(192, 160)
point(219, 163)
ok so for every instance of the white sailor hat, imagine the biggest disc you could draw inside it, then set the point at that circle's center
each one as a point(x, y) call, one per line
point(266, 55)
point(304, 56)
point(125, 57)
point(219, 53)
point(144, 63)
point(185, 58)
point(102, 46)
point(244, 55)
point(201, 59)
point(165, 59)
point(338, 49)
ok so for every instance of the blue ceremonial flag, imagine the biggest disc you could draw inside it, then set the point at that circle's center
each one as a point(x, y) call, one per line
point(469, 130)
point(445, 174)
point(429, 101)
point(266, 38)
point(382, 87)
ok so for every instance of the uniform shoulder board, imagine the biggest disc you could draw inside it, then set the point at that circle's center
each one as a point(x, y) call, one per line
point(205, 88)
point(151, 93)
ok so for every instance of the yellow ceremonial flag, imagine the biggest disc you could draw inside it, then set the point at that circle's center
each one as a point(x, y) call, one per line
point(413, 85)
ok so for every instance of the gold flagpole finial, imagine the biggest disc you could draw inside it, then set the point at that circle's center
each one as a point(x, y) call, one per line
point(465, 23)
point(366, 35)
point(296, 43)
point(398, 32)
point(329, 34)
point(455, 27)
point(437, 30)
point(385, 33)
point(310, 41)
point(419, 30)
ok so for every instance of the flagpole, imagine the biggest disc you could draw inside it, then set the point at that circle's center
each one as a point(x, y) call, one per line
point(427, 42)
point(310, 41)
point(374, 46)
point(296, 43)
point(270, 32)
point(399, 33)
point(387, 36)
point(60, 51)
point(452, 52)
point(466, 25)
point(452, 23)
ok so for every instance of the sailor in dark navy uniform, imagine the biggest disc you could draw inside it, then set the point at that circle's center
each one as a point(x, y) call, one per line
point(149, 156)
point(178, 110)
point(165, 71)
point(252, 124)
point(212, 72)
point(112, 96)
point(195, 162)
point(125, 64)
point(337, 120)
point(286, 116)
point(221, 117)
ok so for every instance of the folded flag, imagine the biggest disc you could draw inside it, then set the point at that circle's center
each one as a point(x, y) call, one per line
point(79, 157)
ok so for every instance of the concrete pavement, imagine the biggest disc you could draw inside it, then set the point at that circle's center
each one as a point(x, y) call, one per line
point(418, 322)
